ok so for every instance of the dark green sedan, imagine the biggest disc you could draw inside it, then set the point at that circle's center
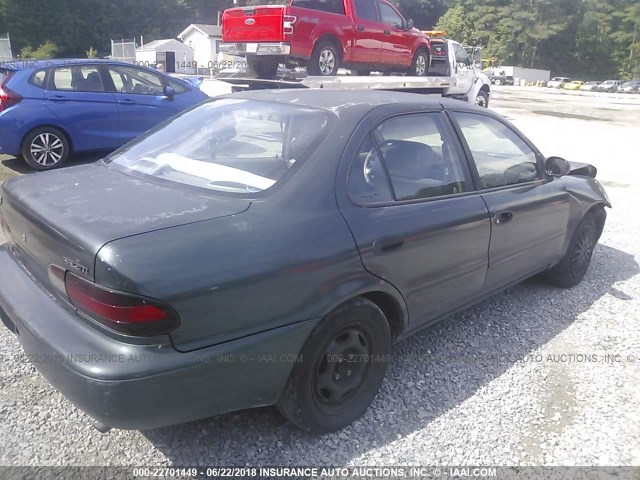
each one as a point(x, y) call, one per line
point(268, 248)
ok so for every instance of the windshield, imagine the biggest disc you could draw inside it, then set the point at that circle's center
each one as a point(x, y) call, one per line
point(231, 145)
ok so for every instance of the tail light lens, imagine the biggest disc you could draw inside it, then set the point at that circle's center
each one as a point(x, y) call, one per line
point(289, 21)
point(122, 312)
point(8, 97)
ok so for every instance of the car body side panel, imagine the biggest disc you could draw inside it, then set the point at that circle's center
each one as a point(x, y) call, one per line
point(535, 235)
point(90, 119)
point(443, 259)
point(240, 275)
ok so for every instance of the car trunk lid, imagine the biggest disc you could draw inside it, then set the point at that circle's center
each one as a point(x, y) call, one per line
point(65, 217)
point(253, 24)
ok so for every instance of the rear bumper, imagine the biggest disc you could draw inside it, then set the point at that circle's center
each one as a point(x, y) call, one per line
point(142, 386)
point(256, 48)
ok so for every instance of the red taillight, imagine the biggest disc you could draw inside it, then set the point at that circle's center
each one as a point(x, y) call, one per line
point(288, 23)
point(8, 98)
point(122, 312)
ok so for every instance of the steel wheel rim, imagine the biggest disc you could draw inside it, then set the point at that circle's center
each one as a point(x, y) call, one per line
point(480, 101)
point(421, 65)
point(583, 251)
point(327, 62)
point(342, 370)
point(47, 149)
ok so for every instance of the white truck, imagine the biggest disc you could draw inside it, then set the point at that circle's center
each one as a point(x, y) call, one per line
point(453, 73)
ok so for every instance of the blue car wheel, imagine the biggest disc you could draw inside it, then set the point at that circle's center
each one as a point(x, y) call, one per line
point(45, 148)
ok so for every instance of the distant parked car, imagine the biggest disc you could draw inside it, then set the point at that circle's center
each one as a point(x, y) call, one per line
point(610, 86)
point(558, 82)
point(590, 86)
point(630, 87)
point(49, 109)
point(574, 85)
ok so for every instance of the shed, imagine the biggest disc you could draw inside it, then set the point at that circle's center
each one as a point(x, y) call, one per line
point(205, 41)
point(168, 55)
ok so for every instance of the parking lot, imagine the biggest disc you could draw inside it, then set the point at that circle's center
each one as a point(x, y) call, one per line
point(532, 376)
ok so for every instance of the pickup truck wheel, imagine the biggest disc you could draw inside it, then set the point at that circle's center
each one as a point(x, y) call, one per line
point(420, 65)
point(325, 60)
point(45, 148)
point(265, 68)
point(344, 361)
point(570, 271)
point(497, 81)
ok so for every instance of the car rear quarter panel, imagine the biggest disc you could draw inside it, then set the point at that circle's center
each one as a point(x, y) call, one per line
point(236, 276)
point(30, 113)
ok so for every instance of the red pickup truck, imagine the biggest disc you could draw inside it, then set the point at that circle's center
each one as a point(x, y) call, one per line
point(324, 35)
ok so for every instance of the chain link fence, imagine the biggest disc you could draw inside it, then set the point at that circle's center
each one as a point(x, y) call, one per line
point(5, 48)
point(123, 50)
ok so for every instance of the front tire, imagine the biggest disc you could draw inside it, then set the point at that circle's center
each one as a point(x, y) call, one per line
point(482, 99)
point(325, 60)
point(343, 365)
point(570, 271)
point(45, 148)
point(420, 65)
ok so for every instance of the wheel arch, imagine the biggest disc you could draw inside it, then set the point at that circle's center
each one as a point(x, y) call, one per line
point(334, 39)
point(599, 214)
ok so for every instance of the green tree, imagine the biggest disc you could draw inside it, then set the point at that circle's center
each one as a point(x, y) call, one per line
point(44, 51)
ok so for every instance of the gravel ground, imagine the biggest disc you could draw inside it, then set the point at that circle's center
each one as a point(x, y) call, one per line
point(520, 379)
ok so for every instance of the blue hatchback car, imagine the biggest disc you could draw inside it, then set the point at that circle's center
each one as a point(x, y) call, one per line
point(49, 109)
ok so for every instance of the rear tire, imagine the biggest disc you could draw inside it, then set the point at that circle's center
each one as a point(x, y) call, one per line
point(343, 364)
point(570, 271)
point(263, 68)
point(421, 63)
point(325, 60)
point(45, 148)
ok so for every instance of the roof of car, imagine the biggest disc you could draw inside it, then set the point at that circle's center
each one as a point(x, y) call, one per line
point(23, 64)
point(354, 101)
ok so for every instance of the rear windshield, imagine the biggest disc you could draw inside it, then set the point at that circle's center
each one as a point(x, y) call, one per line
point(231, 145)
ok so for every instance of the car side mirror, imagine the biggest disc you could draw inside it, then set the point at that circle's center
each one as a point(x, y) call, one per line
point(169, 91)
point(478, 64)
point(557, 167)
point(409, 24)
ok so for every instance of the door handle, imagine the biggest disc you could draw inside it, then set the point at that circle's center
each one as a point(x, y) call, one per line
point(57, 98)
point(360, 28)
point(126, 101)
point(387, 244)
point(387, 32)
point(504, 217)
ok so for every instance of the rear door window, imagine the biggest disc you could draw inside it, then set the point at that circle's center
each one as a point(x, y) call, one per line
point(77, 79)
point(422, 159)
point(367, 10)
point(328, 6)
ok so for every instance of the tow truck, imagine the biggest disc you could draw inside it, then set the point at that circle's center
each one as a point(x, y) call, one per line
point(452, 73)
